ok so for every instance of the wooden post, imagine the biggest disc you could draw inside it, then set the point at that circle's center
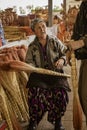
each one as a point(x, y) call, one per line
point(64, 3)
point(50, 13)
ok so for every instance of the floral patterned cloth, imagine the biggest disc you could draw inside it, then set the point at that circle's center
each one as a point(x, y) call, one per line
point(52, 100)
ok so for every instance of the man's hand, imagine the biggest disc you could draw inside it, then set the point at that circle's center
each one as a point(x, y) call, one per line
point(59, 63)
point(74, 45)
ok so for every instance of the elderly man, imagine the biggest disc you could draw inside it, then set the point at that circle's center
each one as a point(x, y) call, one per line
point(46, 92)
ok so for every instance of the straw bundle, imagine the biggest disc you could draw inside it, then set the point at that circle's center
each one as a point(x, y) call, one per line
point(21, 66)
point(11, 85)
point(13, 33)
point(22, 79)
point(18, 91)
point(16, 110)
point(77, 111)
point(15, 107)
point(4, 107)
point(13, 99)
point(15, 123)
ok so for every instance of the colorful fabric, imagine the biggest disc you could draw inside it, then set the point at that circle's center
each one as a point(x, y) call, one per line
point(2, 34)
point(52, 100)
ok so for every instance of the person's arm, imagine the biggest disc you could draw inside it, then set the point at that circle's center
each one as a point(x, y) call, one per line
point(29, 56)
point(62, 57)
point(62, 49)
point(85, 41)
point(74, 45)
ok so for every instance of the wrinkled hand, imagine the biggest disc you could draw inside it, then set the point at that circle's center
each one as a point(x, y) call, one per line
point(74, 45)
point(59, 64)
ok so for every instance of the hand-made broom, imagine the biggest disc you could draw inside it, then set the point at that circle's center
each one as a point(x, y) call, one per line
point(22, 66)
point(77, 111)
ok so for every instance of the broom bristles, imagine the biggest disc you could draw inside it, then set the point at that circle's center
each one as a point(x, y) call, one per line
point(77, 113)
point(16, 124)
point(18, 65)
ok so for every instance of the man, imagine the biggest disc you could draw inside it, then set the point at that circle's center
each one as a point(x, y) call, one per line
point(79, 44)
point(46, 92)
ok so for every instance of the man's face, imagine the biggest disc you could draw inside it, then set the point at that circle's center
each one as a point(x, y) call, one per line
point(40, 30)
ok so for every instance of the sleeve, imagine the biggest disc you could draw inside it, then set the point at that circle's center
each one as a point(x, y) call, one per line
point(29, 56)
point(85, 40)
point(62, 50)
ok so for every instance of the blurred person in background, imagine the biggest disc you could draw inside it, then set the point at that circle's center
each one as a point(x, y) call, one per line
point(79, 44)
point(61, 29)
point(58, 28)
point(2, 39)
point(55, 26)
point(46, 92)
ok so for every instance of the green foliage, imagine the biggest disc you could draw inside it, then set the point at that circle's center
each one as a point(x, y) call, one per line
point(57, 9)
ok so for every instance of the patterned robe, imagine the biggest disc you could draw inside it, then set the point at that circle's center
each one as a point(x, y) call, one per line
point(46, 93)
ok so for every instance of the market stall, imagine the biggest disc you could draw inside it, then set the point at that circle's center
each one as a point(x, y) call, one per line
point(13, 92)
point(14, 74)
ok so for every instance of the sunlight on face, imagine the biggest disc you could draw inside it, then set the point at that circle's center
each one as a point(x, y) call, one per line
point(40, 30)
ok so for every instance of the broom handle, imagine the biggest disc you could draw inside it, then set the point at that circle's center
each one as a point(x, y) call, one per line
point(74, 72)
point(18, 65)
point(75, 89)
